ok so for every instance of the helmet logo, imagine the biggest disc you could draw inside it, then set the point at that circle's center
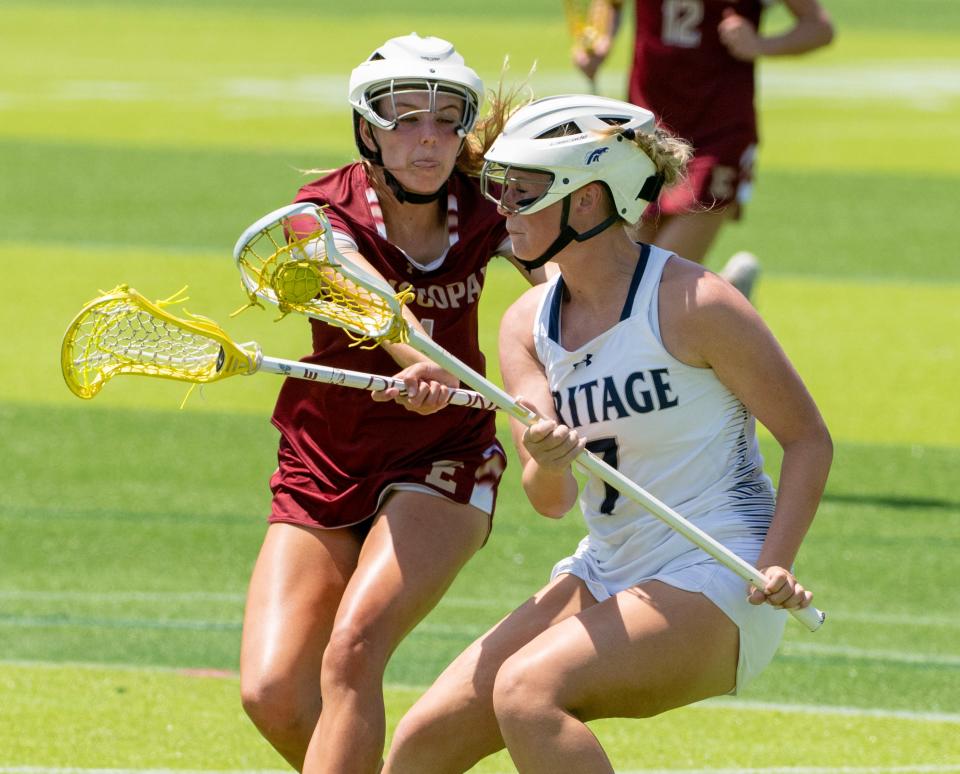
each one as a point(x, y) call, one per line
point(595, 155)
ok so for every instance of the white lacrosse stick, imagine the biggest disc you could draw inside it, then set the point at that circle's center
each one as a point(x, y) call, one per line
point(307, 274)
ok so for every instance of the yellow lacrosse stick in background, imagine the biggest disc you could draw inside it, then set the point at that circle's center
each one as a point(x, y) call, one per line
point(122, 333)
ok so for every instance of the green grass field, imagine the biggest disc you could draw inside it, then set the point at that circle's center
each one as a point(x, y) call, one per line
point(137, 139)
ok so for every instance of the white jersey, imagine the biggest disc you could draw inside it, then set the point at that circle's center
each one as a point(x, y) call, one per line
point(674, 429)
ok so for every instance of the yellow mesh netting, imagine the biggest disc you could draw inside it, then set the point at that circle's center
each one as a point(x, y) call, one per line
point(298, 276)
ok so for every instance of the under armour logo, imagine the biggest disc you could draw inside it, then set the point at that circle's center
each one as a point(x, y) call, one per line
point(585, 362)
point(595, 155)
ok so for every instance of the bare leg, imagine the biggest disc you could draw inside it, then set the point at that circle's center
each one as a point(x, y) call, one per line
point(647, 650)
point(294, 594)
point(413, 552)
point(452, 726)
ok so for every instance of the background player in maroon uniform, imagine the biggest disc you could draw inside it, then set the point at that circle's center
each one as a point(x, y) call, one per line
point(693, 67)
point(376, 509)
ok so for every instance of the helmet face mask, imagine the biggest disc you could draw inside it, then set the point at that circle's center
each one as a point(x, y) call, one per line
point(517, 190)
point(411, 63)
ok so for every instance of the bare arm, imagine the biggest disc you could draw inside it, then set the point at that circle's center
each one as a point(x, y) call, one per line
point(706, 322)
point(812, 29)
point(548, 448)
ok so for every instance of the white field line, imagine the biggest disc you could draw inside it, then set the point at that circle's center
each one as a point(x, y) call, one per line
point(868, 654)
point(466, 631)
point(718, 703)
point(468, 603)
point(913, 769)
point(24, 663)
point(875, 619)
point(189, 624)
point(952, 718)
point(916, 769)
point(814, 649)
point(53, 770)
point(899, 619)
point(121, 596)
point(926, 83)
point(794, 647)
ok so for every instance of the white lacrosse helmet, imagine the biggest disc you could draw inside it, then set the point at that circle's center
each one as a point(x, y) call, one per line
point(553, 146)
point(411, 63)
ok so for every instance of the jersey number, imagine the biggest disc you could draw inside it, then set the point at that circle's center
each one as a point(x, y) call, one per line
point(609, 452)
point(681, 20)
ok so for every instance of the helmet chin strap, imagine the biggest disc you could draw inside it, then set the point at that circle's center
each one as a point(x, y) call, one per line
point(567, 235)
point(376, 157)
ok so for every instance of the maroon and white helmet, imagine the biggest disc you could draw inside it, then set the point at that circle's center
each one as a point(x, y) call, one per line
point(555, 145)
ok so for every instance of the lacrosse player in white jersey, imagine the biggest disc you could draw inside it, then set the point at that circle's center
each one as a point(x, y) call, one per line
point(659, 367)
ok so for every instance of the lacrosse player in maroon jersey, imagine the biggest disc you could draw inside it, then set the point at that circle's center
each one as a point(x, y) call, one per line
point(693, 66)
point(375, 508)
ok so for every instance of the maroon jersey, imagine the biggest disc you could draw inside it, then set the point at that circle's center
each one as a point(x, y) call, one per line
point(341, 438)
point(685, 75)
